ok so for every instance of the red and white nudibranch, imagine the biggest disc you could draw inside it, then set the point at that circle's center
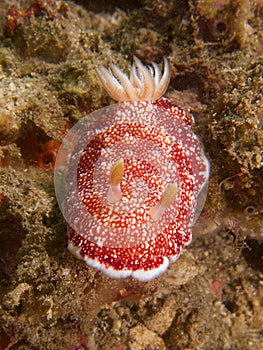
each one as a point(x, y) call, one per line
point(134, 177)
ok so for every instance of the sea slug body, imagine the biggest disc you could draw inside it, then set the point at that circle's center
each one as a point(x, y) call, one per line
point(133, 178)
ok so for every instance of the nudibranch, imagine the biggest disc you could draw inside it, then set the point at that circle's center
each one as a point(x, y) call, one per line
point(131, 178)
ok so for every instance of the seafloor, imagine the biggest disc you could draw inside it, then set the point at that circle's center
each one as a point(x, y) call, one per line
point(211, 298)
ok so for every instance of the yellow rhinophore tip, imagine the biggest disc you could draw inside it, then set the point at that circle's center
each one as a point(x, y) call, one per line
point(114, 193)
point(167, 199)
